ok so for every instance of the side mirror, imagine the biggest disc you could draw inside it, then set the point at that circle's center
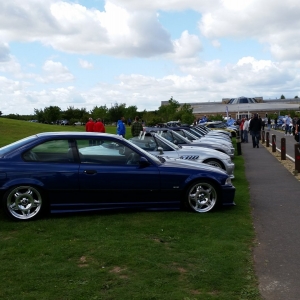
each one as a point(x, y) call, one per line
point(144, 162)
point(161, 150)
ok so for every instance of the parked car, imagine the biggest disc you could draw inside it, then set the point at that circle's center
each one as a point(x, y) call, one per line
point(80, 171)
point(159, 146)
point(179, 139)
point(214, 132)
point(78, 123)
point(205, 138)
point(218, 125)
point(64, 122)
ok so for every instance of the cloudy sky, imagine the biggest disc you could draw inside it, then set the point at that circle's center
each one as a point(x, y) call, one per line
point(89, 53)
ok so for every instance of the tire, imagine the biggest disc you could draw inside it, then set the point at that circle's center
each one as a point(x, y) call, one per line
point(23, 203)
point(215, 163)
point(201, 196)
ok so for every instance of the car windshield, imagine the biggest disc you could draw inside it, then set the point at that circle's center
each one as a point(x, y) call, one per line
point(135, 142)
point(173, 137)
point(16, 145)
point(189, 135)
point(166, 145)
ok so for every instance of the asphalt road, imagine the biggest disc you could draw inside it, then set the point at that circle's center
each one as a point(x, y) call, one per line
point(275, 203)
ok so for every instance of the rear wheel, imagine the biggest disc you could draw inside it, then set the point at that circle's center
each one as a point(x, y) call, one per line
point(201, 196)
point(23, 202)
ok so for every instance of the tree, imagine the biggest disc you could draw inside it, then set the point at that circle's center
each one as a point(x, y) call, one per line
point(100, 112)
point(52, 114)
point(117, 111)
point(168, 112)
point(0, 113)
point(294, 97)
point(185, 114)
point(131, 112)
point(39, 115)
point(75, 114)
point(282, 97)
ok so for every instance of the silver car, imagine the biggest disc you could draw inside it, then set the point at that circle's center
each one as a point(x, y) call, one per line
point(159, 146)
point(178, 139)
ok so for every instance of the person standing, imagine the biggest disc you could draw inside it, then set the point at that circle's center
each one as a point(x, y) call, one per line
point(121, 129)
point(245, 130)
point(269, 123)
point(297, 129)
point(242, 130)
point(89, 126)
point(136, 127)
point(263, 123)
point(255, 128)
point(288, 121)
point(99, 126)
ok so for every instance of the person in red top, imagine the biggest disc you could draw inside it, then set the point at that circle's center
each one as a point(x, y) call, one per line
point(99, 126)
point(89, 126)
point(242, 129)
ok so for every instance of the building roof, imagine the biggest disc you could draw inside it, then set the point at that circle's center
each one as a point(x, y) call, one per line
point(244, 105)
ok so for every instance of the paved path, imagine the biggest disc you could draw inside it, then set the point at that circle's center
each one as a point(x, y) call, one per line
point(275, 201)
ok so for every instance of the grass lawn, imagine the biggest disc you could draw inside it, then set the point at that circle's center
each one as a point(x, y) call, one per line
point(128, 255)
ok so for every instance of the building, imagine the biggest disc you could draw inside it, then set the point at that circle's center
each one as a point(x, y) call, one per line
point(242, 106)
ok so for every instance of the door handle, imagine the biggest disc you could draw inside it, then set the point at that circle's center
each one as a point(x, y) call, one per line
point(90, 172)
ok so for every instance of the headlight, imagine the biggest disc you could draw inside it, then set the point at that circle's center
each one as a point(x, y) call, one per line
point(228, 181)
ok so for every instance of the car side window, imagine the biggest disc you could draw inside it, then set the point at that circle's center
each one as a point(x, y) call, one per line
point(50, 151)
point(168, 136)
point(163, 145)
point(106, 152)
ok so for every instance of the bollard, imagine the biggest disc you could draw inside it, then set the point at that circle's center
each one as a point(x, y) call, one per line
point(297, 157)
point(263, 137)
point(283, 149)
point(268, 139)
point(273, 143)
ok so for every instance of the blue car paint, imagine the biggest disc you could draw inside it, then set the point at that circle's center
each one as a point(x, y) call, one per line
point(69, 187)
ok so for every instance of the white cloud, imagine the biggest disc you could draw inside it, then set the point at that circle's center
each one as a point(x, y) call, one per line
point(73, 28)
point(130, 29)
point(85, 64)
point(55, 72)
point(273, 23)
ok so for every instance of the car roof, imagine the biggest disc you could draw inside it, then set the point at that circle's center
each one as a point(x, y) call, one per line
point(77, 134)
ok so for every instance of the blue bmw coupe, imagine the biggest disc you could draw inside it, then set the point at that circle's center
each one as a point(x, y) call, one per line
point(80, 171)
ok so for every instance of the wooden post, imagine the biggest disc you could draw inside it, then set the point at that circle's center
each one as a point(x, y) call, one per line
point(283, 149)
point(273, 143)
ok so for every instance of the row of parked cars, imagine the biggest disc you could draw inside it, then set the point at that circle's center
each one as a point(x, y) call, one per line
point(178, 167)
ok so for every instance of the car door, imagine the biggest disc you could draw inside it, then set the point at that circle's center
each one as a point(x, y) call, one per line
point(52, 164)
point(110, 175)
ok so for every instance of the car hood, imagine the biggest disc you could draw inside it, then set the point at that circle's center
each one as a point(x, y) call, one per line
point(192, 165)
point(216, 140)
point(194, 150)
point(208, 143)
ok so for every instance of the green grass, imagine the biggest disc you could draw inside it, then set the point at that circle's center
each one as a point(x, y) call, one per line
point(12, 130)
point(129, 255)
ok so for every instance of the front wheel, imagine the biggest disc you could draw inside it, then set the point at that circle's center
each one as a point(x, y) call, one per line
point(215, 163)
point(23, 203)
point(201, 196)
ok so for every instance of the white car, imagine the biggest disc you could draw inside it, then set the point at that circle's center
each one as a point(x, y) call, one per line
point(159, 146)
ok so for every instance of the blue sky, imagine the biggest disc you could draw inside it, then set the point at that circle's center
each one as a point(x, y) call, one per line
point(95, 53)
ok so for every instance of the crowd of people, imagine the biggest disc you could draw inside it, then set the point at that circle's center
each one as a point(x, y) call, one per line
point(98, 126)
point(256, 124)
